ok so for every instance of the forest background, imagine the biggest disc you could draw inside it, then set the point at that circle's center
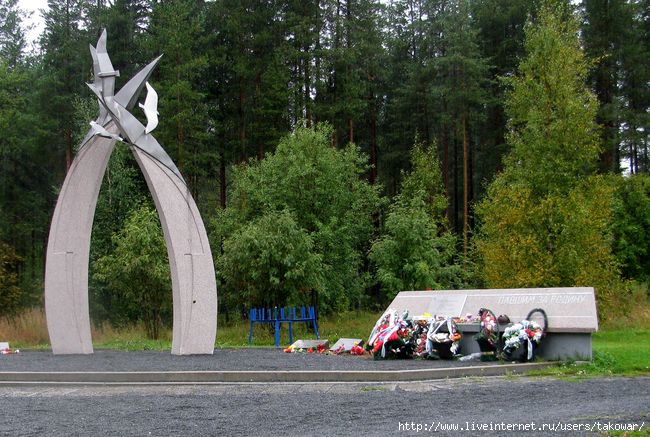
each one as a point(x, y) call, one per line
point(343, 150)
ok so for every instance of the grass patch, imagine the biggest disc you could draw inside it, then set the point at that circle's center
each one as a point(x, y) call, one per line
point(643, 433)
point(130, 338)
point(628, 351)
point(616, 352)
point(371, 388)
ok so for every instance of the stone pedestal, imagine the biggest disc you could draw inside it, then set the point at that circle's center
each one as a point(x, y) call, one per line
point(68, 250)
point(193, 279)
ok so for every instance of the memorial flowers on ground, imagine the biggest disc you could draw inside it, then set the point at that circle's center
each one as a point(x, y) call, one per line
point(421, 337)
point(523, 334)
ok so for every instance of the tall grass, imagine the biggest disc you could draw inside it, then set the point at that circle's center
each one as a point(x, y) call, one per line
point(26, 329)
point(633, 311)
point(29, 330)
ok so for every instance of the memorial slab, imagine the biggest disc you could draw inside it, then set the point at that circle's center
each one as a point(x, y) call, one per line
point(570, 309)
point(571, 312)
point(345, 344)
point(306, 344)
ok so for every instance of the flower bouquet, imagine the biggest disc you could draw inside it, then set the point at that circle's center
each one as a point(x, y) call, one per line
point(488, 335)
point(521, 340)
point(443, 339)
point(420, 331)
point(391, 337)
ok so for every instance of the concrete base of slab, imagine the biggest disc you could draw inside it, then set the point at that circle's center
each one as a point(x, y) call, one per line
point(554, 346)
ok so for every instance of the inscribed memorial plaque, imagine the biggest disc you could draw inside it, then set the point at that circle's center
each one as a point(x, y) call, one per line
point(433, 302)
point(569, 309)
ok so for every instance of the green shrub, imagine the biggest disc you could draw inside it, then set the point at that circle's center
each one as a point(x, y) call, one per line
point(631, 226)
point(138, 271)
point(324, 203)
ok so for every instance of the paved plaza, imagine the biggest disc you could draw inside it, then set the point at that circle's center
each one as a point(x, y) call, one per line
point(325, 408)
point(245, 359)
point(477, 405)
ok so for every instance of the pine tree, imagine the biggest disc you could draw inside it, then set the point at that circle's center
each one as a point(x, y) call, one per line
point(403, 103)
point(546, 218)
point(604, 31)
point(126, 24)
point(26, 175)
point(303, 24)
point(66, 68)
point(553, 135)
point(461, 74)
point(435, 89)
point(176, 31)
point(12, 35)
point(635, 88)
point(500, 26)
point(248, 80)
point(348, 86)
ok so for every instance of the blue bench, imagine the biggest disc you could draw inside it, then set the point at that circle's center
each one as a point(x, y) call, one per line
point(276, 316)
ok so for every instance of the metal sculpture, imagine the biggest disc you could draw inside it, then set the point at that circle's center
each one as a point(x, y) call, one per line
point(66, 272)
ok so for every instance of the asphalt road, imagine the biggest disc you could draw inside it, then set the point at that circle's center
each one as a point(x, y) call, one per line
point(474, 405)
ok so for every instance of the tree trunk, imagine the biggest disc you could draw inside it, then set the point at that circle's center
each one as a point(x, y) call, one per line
point(258, 92)
point(317, 58)
point(307, 85)
point(351, 129)
point(242, 122)
point(180, 136)
point(68, 150)
point(445, 167)
point(222, 180)
point(425, 112)
point(456, 192)
point(373, 145)
point(465, 184)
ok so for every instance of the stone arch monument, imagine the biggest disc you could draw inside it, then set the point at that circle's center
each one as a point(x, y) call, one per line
point(66, 270)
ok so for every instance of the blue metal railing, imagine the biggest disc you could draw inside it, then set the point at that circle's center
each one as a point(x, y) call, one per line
point(276, 316)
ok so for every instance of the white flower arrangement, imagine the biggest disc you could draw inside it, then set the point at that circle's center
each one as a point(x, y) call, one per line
point(518, 333)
